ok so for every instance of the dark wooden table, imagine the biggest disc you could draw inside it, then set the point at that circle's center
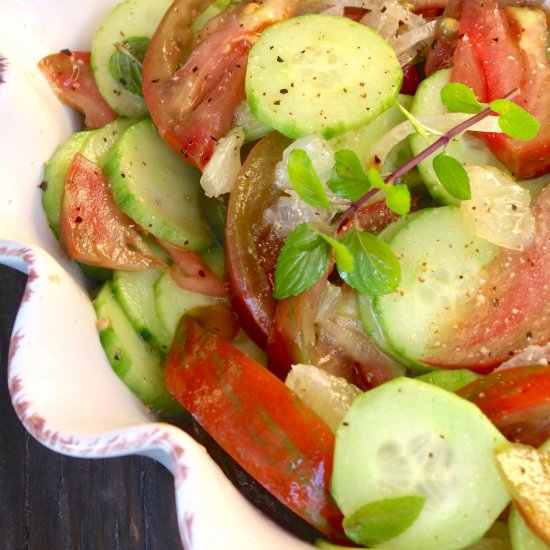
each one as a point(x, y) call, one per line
point(52, 502)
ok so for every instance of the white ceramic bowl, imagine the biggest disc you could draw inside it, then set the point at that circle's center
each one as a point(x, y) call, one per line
point(60, 382)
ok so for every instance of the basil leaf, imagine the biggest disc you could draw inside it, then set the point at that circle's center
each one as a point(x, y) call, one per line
point(383, 520)
point(343, 257)
point(452, 176)
point(376, 270)
point(302, 261)
point(459, 98)
point(515, 121)
point(126, 62)
point(348, 180)
point(398, 199)
point(305, 180)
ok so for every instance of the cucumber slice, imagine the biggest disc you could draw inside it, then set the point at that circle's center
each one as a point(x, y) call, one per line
point(407, 437)
point(153, 186)
point(94, 145)
point(320, 73)
point(138, 365)
point(468, 149)
point(134, 291)
point(450, 380)
point(130, 19)
point(173, 301)
point(440, 258)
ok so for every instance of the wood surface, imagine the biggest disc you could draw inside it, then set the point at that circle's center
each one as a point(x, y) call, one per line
point(52, 502)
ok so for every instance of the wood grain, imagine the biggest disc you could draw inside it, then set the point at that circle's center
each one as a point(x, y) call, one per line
point(48, 501)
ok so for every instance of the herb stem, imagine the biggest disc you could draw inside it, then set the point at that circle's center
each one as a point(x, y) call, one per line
point(440, 142)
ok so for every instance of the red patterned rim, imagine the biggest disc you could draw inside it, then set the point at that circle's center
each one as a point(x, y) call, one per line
point(3, 64)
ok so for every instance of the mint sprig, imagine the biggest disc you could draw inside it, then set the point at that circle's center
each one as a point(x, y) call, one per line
point(459, 98)
point(452, 176)
point(302, 261)
point(348, 179)
point(126, 62)
point(515, 121)
point(305, 180)
point(376, 269)
point(382, 520)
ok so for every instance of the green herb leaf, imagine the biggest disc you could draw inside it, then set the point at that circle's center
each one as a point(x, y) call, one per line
point(452, 176)
point(302, 261)
point(126, 62)
point(376, 179)
point(305, 180)
point(349, 179)
point(376, 270)
point(515, 121)
point(459, 98)
point(343, 257)
point(398, 199)
point(383, 520)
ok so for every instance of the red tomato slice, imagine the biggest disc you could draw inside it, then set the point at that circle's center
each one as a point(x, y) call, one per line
point(191, 273)
point(517, 401)
point(71, 78)
point(192, 95)
point(93, 229)
point(258, 421)
point(251, 249)
point(511, 312)
point(506, 49)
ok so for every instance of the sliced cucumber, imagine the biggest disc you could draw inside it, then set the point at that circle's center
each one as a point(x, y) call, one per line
point(173, 301)
point(468, 149)
point(214, 9)
point(130, 19)
point(94, 145)
point(138, 365)
point(440, 258)
point(320, 73)
point(407, 437)
point(134, 291)
point(153, 186)
point(450, 380)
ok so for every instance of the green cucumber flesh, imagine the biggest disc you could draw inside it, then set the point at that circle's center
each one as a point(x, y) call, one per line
point(467, 149)
point(407, 437)
point(130, 19)
point(450, 380)
point(320, 73)
point(94, 145)
point(155, 188)
point(173, 301)
point(440, 259)
point(134, 291)
point(136, 363)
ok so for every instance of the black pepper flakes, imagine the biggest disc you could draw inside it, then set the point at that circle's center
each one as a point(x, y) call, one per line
point(43, 185)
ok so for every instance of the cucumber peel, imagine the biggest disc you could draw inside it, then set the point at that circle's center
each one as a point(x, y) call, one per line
point(320, 73)
point(408, 437)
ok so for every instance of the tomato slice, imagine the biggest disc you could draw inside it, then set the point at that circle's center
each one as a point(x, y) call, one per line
point(506, 49)
point(251, 248)
point(72, 80)
point(511, 311)
point(258, 421)
point(192, 94)
point(93, 229)
point(516, 400)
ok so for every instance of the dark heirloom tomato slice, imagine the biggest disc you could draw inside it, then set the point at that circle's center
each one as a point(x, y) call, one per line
point(516, 400)
point(258, 421)
point(192, 92)
point(511, 311)
point(93, 229)
point(71, 78)
point(251, 249)
point(500, 50)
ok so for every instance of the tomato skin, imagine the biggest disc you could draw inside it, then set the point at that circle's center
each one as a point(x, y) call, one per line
point(71, 78)
point(93, 230)
point(251, 251)
point(258, 421)
point(516, 400)
point(511, 312)
point(506, 49)
point(192, 91)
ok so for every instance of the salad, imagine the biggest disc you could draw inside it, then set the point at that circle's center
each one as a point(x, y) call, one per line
point(320, 229)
